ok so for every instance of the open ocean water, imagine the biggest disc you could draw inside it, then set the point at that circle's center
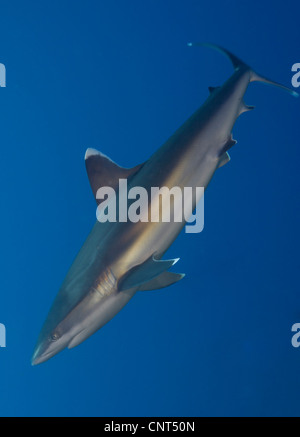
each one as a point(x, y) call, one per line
point(119, 77)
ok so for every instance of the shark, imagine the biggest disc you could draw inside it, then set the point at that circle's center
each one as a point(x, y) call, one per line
point(118, 259)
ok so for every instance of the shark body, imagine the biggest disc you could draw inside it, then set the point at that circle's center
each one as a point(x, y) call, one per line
point(119, 259)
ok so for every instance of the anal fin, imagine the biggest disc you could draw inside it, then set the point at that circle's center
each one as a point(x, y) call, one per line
point(224, 159)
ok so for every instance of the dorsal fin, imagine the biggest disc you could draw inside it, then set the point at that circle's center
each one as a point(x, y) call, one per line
point(102, 171)
point(211, 89)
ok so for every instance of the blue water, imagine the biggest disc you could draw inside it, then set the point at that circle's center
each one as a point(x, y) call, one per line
point(118, 76)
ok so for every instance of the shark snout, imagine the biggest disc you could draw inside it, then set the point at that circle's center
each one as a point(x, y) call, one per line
point(46, 349)
point(39, 357)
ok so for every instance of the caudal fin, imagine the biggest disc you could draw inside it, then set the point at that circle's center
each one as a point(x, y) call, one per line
point(238, 63)
point(258, 78)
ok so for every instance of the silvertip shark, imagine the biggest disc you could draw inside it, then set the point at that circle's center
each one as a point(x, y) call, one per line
point(118, 259)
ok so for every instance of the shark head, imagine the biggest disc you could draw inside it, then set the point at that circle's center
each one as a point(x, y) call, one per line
point(64, 327)
point(49, 345)
point(74, 316)
point(58, 332)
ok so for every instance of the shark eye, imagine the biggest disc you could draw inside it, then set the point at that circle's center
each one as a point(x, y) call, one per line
point(54, 336)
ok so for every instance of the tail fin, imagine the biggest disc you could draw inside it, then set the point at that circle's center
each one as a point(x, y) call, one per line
point(237, 63)
point(258, 78)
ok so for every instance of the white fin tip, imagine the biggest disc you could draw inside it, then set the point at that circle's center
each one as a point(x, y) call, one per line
point(91, 152)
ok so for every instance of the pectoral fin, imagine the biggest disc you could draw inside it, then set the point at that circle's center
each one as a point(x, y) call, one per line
point(161, 281)
point(144, 273)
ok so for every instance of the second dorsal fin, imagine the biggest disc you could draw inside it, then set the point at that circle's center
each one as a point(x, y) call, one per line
point(102, 171)
point(211, 89)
